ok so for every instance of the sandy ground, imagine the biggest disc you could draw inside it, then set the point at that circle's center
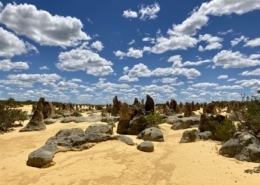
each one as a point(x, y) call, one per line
point(114, 162)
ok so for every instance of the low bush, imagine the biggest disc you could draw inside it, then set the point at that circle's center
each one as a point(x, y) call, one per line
point(154, 119)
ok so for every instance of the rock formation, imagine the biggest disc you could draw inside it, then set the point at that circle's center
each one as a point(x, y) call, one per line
point(36, 123)
point(149, 104)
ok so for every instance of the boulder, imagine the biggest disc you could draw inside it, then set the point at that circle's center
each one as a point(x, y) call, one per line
point(100, 128)
point(146, 146)
point(36, 123)
point(49, 121)
point(122, 127)
point(151, 134)
point(98, 137)
point(137, 125)
point(193, 135)
point(243, 146)
point(185, 122)
point(125, 139)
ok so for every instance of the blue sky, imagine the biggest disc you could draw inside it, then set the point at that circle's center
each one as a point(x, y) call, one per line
point(89, 51)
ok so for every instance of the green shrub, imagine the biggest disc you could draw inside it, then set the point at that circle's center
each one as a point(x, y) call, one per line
point(223, 131)
point(8, 116)
point(154, 119)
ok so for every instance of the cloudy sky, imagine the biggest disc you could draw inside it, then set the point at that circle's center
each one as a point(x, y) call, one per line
point(89, 51)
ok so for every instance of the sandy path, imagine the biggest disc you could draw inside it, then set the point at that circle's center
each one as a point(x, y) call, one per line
point(114, 162)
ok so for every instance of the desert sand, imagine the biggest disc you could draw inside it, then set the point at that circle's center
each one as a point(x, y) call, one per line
point(114, 162)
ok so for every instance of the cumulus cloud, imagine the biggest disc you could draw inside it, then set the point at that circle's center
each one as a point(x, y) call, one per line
point(238, 40)
point(253, 43)
point(163, 88)
point(42, 27)
point(228, 87)
point(249, 83)
point(149, 11)
point(139, 70)
point(213, 42)
point(67, 85)
point(83, 59)
point(164, 44)
point(7, 65)
point(126, 78)
point(177, 62)
point(204, 85)
point(97, 45)
point(27, 80)
point(130, 14)
point(105, 85)
point(134, 53)
point(255, 72)
point(11, 45)
point(222, 77)
point(189, 73)
point(229, 59)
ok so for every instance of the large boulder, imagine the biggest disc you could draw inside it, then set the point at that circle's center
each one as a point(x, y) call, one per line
point(125, 139)
point(36, 123)
point(193, 135)
point(137, 125)
point(151, 134)
point(243, 146)
point(100, 128)
point(122, 127)
point(186, 122)
point(146, 146)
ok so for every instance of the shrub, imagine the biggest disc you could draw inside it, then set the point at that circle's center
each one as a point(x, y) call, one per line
point(223, 131)
point(8, 116)
point(154, 119)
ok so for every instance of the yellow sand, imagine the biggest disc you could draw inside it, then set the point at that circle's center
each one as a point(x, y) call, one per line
point(114, 162)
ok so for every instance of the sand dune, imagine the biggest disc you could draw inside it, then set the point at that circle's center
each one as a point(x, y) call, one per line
point(114, 162)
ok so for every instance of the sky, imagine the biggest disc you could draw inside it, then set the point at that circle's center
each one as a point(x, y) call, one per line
point(90, 51)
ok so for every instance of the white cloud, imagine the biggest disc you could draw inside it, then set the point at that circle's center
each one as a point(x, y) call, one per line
point(253, 43)
point(255, 56)
point(103, 85)
point(97, 45)
point(83, 59)
point(162, 89)
point(126, 69)
point(229, 59)
point(89, 20)
point(41, 27)
point(135, 53)
point(213, 42)
point(169, 80)
point(231, 79)
point(149, 39)
point(129, 90)
point(139, 70)
point(149, 11)
point(164, 44)
point(198, 63)
point(225, 32)
point(204, 85)
point(7, 65)
point(199, 16)
point(176, 59)
point(10, 45)
point(75, 80)
point(132, 42)
point(130, 14)
point(249, 83)
point(223, 77)
point(126, 78)
point(255, 72)
point(228, 87)
point(238, 40)
point(189, 73)
point(27, 80)
point(1, 5)
point(67, 85)
point(43, 68)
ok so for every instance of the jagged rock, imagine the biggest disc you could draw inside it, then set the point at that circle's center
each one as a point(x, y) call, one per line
point(116, 107)
point(146, 146)
point(100, 128)
point(173, 105)
point(188, 110)
point(151, 134)
point(36, 123)
point(167, 111)
point(186, 122)
point(125, 139)
point(243, 146)
point(137, 125)
point(211, 109)
point(122, 127)
point(189, 136)
point(48, 109)
point(149, 104)
point(49, 121)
